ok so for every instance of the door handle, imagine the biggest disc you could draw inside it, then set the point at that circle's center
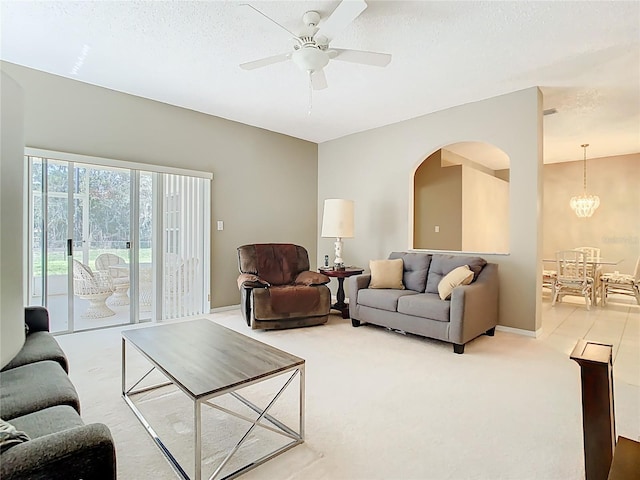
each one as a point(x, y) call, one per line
point(128, 245)
point(69, 247)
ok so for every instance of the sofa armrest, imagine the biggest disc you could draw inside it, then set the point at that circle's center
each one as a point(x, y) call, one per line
point(358, 282)
point(37, 319)
point(474, 307)
point(82, 452)
point(355, 283)
point(308, 277)
point(248, 281)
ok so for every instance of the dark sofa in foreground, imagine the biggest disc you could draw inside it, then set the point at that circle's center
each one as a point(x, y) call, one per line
point(416, 307)
point(38, 399)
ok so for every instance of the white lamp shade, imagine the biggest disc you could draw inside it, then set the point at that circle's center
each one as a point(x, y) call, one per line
point(337, 220)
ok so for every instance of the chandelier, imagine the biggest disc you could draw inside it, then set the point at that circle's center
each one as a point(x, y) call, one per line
point(584, 205)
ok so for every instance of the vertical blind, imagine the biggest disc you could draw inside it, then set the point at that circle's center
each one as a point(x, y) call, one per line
point(185, 252)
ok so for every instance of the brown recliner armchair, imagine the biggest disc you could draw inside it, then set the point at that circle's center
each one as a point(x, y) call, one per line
point(278, 290)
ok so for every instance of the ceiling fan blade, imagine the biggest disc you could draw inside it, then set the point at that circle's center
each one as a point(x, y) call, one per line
point(345, 13)
point(270, 19)
point(263, 62)
point(318, 80)
point(360, 56)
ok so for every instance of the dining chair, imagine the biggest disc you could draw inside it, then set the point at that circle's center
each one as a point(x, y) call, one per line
point(118, 269)
point(594, 269)
point(620, 283)
point(592, 253)
point(549, 278)
point(572, 276)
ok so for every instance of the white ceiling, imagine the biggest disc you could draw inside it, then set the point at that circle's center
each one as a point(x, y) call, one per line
point(585, 56)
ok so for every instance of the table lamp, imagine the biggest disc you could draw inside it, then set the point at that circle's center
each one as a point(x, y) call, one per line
point(337, 222)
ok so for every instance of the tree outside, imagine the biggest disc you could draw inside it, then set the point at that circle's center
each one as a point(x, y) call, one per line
point(101, 199)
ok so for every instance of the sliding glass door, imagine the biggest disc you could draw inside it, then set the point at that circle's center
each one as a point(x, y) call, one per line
point(100, 246)
point(80, 243)
point(48, 263)
point(113, 245)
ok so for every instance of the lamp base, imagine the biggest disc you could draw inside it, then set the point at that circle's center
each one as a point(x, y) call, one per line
point(338, 264)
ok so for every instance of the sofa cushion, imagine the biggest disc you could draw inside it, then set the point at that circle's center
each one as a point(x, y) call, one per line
point(382, 299)
point(47, 421)
point(416, 266)
point(427, 305)
point(386, 274)
point(10, 436)
point(456, 277)
point(442, 264)
point(33, 387)
point(313, 305)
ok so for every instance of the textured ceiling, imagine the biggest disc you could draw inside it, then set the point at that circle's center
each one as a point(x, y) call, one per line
point(585, 56)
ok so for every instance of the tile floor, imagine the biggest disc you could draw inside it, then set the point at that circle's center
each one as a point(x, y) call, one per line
point(617, 324)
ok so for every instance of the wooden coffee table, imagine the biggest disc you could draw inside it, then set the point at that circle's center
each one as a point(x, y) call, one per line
point(206, 360)
point(341, 274)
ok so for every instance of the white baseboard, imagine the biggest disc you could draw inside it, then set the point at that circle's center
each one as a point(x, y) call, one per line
point(520, 331)
point(224, 309)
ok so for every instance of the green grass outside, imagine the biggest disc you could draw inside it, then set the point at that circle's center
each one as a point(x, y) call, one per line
point(57, 260)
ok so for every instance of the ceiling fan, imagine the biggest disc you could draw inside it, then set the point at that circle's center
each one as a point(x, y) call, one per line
point(311, 50)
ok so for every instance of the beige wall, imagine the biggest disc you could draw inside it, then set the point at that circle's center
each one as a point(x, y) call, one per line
point(465, 200)
point(437, 201)
point(615, 225)
point(379, 165)
point(485, 212)
point(11, 224)
point(264, 186)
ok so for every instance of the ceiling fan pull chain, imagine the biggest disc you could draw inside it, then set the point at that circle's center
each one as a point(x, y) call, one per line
point(310, 94)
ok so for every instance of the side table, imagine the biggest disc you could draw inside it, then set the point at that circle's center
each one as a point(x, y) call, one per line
point(341, 274)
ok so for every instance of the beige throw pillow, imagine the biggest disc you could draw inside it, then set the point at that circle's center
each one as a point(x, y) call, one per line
point(386, 274)
point(458, 276)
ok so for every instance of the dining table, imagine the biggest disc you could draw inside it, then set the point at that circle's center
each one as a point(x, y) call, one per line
point(595, 264)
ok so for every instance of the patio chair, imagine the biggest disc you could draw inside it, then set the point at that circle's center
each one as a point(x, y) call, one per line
point(93, 286)
point(620, 283)
point(118, 270)
point(145, 291)
point(179, 281)
point(572, 278)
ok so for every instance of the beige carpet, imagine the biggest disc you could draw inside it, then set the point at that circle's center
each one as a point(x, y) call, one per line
point(380, 405)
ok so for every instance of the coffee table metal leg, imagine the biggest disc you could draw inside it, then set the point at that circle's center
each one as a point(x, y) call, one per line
point(197, 423)
point(255, 423)
point(126, 396)
point(302, 387)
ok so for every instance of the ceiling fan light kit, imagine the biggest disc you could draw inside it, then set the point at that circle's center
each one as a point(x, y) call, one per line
point(312, 52)
point(310, 58)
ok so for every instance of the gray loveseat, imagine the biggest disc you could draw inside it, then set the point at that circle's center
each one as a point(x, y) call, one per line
point(471, 311)
point(37, 398)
